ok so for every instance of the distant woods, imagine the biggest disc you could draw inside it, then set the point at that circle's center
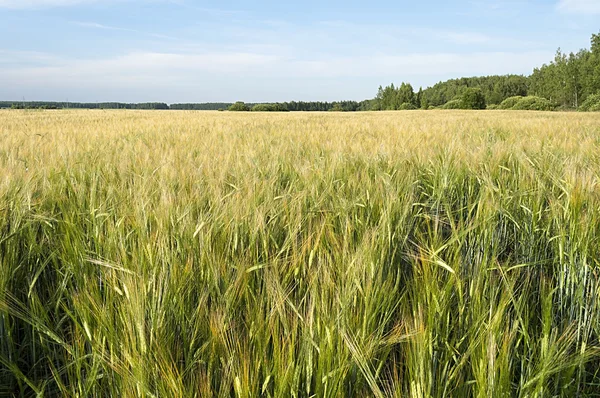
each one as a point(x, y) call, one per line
point(80, 105)
point(569, 82)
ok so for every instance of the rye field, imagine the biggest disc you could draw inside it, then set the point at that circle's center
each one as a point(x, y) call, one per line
point(216, 254)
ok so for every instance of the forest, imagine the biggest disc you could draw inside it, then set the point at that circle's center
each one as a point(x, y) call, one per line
point(568, 82)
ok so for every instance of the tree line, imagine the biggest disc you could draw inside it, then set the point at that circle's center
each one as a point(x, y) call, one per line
point(81, 105)
point(568, 82)
point(293, 106)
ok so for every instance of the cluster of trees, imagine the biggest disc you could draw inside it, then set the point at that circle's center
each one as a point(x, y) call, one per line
point(495, 89)
point(302, 106)
point(528, 103)
point(345, 106)
point(591, 104)
point(403, 97)
point(471, 98)
point(463, 93)
point(24, 106)
point(570, 81)
point(392, 98)
point(80, 105)
point(565, 83)
point(269, 108)
point(209, 106)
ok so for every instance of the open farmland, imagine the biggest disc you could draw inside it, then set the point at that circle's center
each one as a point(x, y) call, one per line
point(199, 254)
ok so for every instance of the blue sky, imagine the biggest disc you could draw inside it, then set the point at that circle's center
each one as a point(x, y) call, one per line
point(193, 51)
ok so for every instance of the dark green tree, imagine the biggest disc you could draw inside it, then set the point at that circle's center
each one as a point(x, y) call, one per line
point(239, 107)
point(473, 98)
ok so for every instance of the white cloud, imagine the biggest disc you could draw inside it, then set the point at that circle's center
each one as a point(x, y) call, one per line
point(180, 77)
point(422, 64)
point(27, 58)
point(96, 25)
point(580, 6)
point(137, 68)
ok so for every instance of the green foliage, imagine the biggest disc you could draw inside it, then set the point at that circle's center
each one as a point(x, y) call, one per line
point(269, 108)
point(492, 107)
point(509, 103)
point(570, 78)
point(407, 106)
point(590, 104)
point(453, 104)
point(212, 106)
point(495, 88)
point(473, 98)
point(567, 81)
point(290, 256)
point(532, 103)
point(239, 107)
point(81, 105)
point(392, 98)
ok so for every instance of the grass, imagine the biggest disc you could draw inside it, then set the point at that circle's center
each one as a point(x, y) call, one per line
point(199, 254)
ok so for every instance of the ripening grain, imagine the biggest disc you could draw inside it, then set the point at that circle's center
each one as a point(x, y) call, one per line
point(199, 254)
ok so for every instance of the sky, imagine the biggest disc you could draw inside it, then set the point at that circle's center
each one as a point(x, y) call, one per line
point(266, 51)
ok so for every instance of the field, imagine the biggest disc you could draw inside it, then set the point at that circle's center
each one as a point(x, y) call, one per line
point(199, 254)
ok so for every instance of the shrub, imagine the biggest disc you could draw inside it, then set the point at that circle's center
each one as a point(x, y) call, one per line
point(473, 98)
point(492, 107)
point(239, 107)
point(592, 103)
point(269, 108)
point(563, 108)
point(407, 106)
point(262, 108)
point(532, 103)
point(510, 102)
point(453, 104)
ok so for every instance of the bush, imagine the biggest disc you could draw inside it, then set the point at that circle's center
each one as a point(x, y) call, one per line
point(239, 107)
point(591, 104)
point(473, 98)
point(532, 103)
point(453, 104)
point(269, 108)
point(492, 107)
point(564, 108)
point(510, 102)
point(407, 106)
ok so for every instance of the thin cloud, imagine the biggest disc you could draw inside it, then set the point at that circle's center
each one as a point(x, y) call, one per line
point(579, 6)
point(101, 26)
point(144, 67)
point(95, 25)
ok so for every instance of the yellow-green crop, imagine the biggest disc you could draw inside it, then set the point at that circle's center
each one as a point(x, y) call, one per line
point(199, 254)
